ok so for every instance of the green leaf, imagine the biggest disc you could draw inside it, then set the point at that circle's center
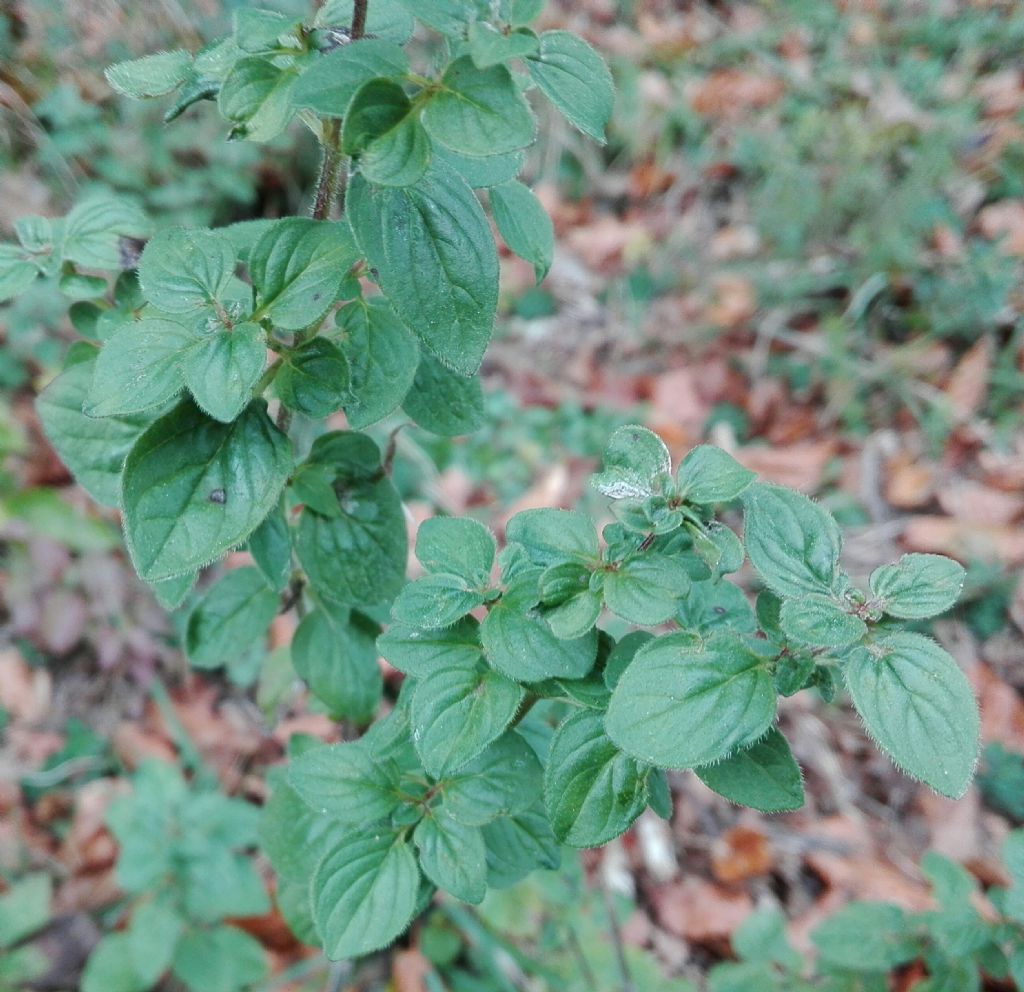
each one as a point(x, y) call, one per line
point(262, 30)
point(419, 652)
point(482, 173)
point(194, 488)
point(718, 547)
point(524, 224)
point(139, 368)
point(479, 111)
point(918, 707)
point(36, 234)
point(232, 617)
point(364, 893)
point(339, 664)
point(292, 834)
point(518, 845)
point(918, 586)
point(449, 17)
point(434, 601)
point(399, 156)
point(152, 75)
point(488, 46)
point(81, 287)
point(1013, 858)
point(94, 450)
point(383, 357)
point(550, 536)
point(866, 936)
point(792, 542)
point(711, 606)
point(17, 272)
point(763, 776)
point(271, 548)
point(222, 367)
point(679, 705)
point(385, 19)
point(522, 646)
point(182, 269)
point(153, 936)
point(571, 608)
point(313, 379)
point(622, 655)
point(593, 792)
point(25, 908)
point(329, 84)
point(646, 590)
point(357, 557)
point(457, 712)
point(224, 959)
point(436, 261)
point(503, 780)
point(444, 402)
point(256, 96)
point(453, 856)
point(762, 937)
point(635, 464)
point(345, 782)
point(110, 967)
point(462, 546)
point(523, 11)
point(820, 621)
point(220, 883)
point(298, 266)
point(96, 231)
point(377, 106)
point(575, 79)
point(711, 475)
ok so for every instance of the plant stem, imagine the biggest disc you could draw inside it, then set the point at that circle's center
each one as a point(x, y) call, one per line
point(628, 985)
point(358, 19)
point(330, 164)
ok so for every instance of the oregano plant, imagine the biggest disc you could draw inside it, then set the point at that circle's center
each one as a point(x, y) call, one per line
point(549, 685)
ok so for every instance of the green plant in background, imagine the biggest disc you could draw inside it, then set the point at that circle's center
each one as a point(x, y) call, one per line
point(520, 725)
point(182, 864)
point(858, 947)
point(24, 911)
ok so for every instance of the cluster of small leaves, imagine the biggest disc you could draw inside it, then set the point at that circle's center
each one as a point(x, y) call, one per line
point(859, 947)
point(522, 726)
point(183, 866)
point(162, 407)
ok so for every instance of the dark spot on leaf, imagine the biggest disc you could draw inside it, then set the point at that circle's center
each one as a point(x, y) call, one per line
point(218, 496)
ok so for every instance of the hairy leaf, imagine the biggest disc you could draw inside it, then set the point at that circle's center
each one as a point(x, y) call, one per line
point(434, 255)
point(678, 705)
point(592, 791)
point(764, 776)
point(364, 893)
point(194, 488)
point(919, 707)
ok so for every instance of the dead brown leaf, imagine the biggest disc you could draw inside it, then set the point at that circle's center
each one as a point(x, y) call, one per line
point(965, 540)
point(967, 385)
point(741, 853)
point(729, 93)
point(801, 466)
point(25, 691)
point(978, 503)
point(409, 970)
point(909, 483)
point(1004, 222)
point(700, 910)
